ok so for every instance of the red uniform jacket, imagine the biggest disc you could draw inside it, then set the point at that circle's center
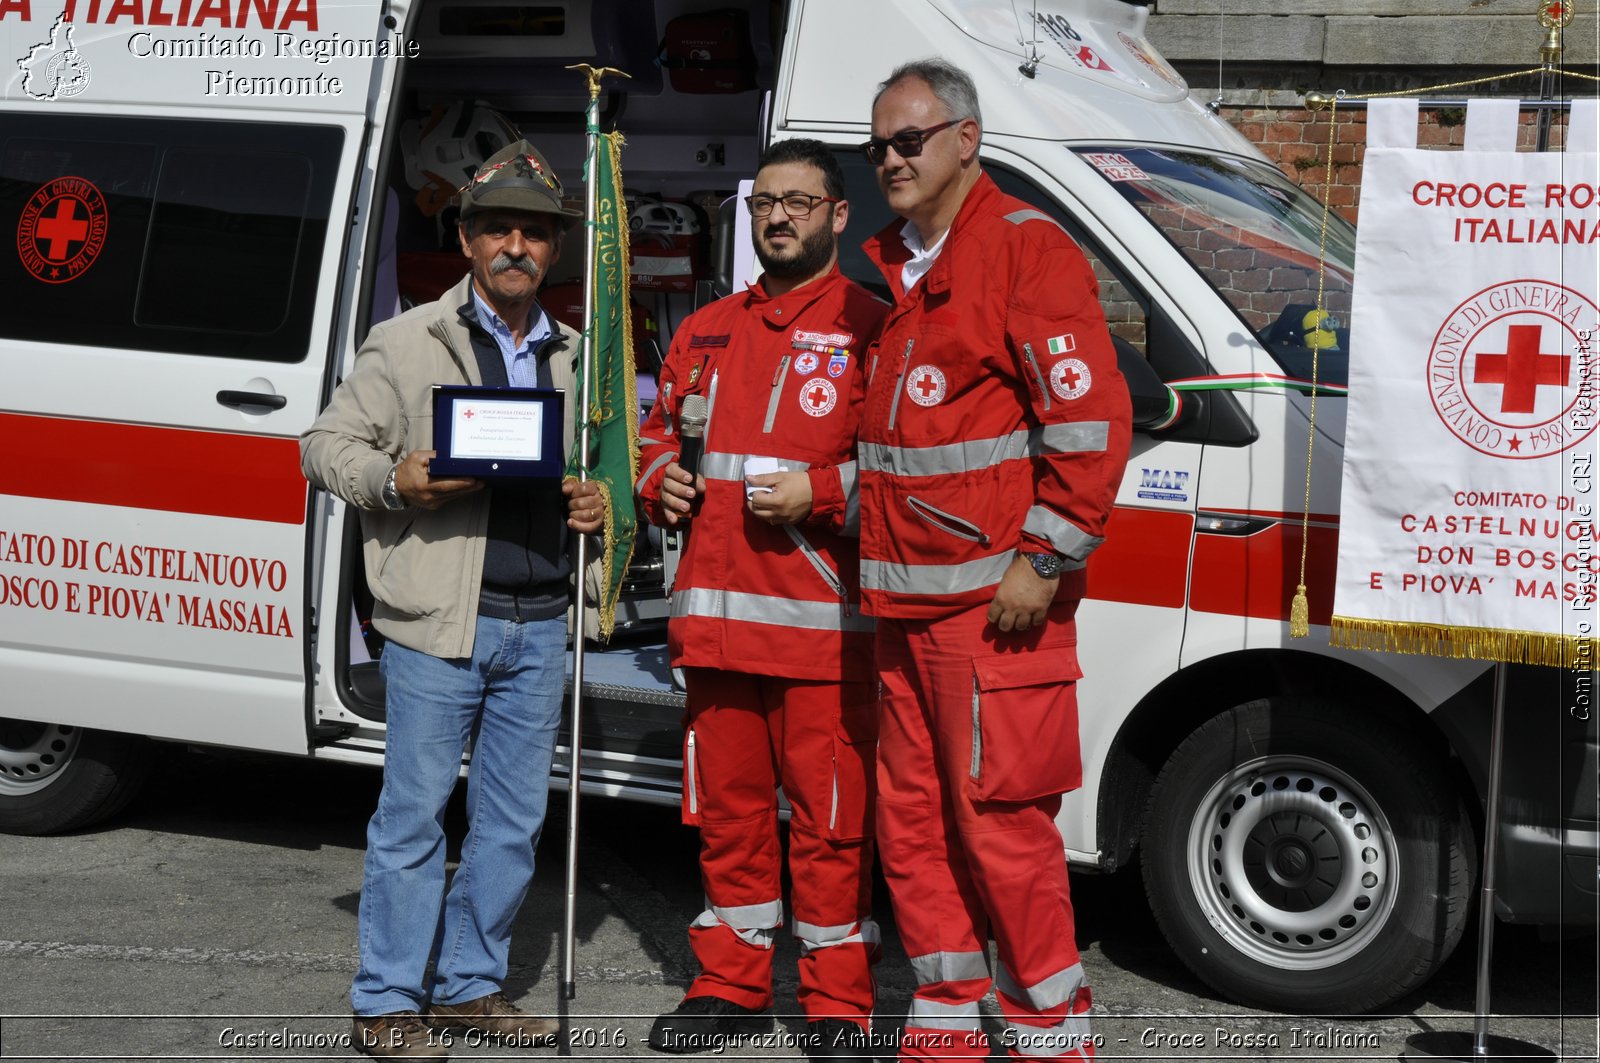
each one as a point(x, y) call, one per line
point(995, 416)
point(783, 379)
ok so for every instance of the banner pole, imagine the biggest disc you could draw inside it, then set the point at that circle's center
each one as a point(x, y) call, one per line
point(1491, 847)
point(569, 933)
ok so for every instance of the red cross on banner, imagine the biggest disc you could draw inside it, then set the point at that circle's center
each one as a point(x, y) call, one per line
point(1522, 368)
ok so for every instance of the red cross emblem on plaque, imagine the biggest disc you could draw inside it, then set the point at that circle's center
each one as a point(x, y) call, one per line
point(926, 385)
point(818, 397)
point(1522, 368)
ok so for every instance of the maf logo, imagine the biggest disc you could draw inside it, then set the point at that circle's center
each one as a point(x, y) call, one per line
point(1168, 485)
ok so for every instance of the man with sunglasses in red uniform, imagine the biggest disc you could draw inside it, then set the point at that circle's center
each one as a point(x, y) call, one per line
point(766, 619)
point(994, 436)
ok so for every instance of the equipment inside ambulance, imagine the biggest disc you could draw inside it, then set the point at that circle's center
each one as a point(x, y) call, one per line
point(198, 258)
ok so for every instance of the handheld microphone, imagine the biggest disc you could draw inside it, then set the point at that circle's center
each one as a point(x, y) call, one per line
point(692, 433)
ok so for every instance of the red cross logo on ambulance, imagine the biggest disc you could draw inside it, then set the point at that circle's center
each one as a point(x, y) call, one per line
point(925, 384)
point(62, 229)
point(1511, 370)
point(818, 397)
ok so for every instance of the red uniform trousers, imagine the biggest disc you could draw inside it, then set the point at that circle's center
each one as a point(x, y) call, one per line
point(966, 828)
point(747, 735)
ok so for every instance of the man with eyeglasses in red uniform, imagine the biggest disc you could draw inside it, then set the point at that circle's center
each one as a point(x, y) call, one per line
point(994, 436)
point(766, 619)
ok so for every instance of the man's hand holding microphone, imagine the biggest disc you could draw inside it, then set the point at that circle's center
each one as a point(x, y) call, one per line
point(682, 484)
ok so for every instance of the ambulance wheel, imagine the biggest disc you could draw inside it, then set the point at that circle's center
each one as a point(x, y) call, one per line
point(1308, 856)
point(56, 778)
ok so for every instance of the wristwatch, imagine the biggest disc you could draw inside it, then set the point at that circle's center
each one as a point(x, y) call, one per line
point(1048, 566)
point(391, 494)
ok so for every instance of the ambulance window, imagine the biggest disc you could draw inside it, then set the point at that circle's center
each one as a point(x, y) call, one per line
point(190, 237)
point(1125, 308)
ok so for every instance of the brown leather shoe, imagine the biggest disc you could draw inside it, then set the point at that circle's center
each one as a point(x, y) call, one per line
point(401, 1035)
point(497, 1020)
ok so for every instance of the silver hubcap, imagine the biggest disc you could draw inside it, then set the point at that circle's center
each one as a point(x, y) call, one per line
point(32, 753)
point(1292, 862)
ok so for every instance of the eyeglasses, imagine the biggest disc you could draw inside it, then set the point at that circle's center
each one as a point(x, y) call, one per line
point(906, 144)
point(796, 205)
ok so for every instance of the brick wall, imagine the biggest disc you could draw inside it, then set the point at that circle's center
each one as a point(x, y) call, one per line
point(1297, 140)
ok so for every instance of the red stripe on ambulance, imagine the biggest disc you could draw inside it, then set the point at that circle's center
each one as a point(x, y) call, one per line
point(176, 470)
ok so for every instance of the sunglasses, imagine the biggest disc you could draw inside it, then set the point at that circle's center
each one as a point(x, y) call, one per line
point(796, 205)
point(907, 144)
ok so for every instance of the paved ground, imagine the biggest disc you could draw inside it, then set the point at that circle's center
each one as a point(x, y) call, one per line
point(216, 920)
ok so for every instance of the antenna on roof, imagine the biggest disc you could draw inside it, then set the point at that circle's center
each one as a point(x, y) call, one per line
point(1030, 65)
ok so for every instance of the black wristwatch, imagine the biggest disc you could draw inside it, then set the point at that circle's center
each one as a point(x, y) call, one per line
point(1048, 566)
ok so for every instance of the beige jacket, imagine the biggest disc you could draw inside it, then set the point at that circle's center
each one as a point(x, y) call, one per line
point(424, 566)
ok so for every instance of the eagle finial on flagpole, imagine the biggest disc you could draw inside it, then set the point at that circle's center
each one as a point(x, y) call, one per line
point(596, 73)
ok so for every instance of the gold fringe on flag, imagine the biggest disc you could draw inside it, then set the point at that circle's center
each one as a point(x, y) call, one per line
point(1476, 643)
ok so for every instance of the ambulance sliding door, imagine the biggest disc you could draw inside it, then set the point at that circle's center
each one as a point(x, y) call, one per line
point(168, 308)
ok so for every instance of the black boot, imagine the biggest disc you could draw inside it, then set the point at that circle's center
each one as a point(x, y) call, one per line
point(702, 1024)
point(836, 1039)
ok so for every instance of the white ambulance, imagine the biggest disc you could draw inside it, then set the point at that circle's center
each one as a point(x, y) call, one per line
point(212, 201)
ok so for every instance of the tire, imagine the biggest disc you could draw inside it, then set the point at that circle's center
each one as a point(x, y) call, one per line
point(56, 778)
point(1309, 857)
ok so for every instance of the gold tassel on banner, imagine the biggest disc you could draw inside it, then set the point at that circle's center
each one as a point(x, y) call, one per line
point(1474, 643)
point(1299, 614)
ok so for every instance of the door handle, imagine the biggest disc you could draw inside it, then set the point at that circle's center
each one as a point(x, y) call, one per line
point(240, 399)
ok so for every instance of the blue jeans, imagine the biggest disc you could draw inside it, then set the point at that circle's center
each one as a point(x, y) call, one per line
point(506, 698)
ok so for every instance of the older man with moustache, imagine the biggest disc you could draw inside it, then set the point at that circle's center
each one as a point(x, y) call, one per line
point(471, 592)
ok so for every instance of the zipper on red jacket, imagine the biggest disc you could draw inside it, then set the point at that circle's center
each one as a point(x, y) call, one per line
point(829, 576)
point(777, 390)
point(1044, 392)
point(900, 385)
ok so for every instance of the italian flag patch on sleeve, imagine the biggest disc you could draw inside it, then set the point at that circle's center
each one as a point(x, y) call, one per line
point(1062, 344)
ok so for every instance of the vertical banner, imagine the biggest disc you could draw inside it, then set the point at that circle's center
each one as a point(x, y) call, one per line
point(1467, 517)
point(613, 415)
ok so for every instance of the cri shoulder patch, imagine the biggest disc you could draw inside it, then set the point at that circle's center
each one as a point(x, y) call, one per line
point(926, 385)
point(1070, 378)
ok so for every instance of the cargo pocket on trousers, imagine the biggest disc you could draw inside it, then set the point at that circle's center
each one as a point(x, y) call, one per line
point(855, 775)
point(691, 780)
point(1025, 726)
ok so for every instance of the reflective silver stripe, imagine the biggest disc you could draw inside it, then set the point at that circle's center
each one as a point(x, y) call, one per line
point(934, 967)
point(1076, 437)
point(661, 462)
point(1065, 536)
point(864, 931)
point(967, 456)
point(934, 579)
point(930, 1015)
point(715, 465)
point(1046, 994)
point(650, 440)
point(765, 609)
point(754, 924)
point(689, 773)
point(1017, 217)
point(752, 916)
point(1064, 1040)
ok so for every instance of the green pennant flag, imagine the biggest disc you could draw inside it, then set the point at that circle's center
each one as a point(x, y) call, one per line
point(613, 414)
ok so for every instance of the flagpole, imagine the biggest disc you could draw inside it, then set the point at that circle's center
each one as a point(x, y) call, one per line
point(569, 930)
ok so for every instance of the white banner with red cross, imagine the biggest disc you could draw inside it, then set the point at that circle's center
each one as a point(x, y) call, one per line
point(1468, 511)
